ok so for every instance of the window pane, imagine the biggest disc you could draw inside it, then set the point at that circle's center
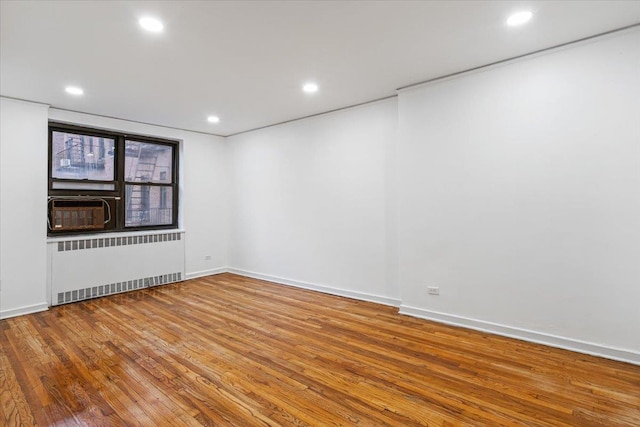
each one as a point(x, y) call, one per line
point(77, 156)
point(148, 205)
point(147, 162)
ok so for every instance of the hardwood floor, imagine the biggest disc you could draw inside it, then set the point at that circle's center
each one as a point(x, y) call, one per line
point(227, 350)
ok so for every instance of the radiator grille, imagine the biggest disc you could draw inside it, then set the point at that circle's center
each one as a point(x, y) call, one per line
point(116, 288)
point(105, 242)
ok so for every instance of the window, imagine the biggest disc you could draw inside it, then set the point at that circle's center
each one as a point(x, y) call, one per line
point(148, 171)
point(108, 181)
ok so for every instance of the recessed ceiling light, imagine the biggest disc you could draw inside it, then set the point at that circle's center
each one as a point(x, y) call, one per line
point(151, 24)
point(73, 90)
point(213, 119)
point(310, 87)
point(519, 18)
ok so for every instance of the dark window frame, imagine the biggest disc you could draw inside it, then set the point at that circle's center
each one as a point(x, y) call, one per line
point(117, 206)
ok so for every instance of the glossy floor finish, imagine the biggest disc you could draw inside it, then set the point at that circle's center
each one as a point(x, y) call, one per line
point(227, 350)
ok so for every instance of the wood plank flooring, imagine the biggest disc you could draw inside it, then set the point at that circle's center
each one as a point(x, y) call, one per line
point(231, 351)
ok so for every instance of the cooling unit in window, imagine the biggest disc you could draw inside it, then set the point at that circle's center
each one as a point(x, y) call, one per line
point(77, 215)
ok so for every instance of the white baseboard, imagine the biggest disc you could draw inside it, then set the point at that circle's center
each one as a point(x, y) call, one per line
point(324, 289)
point(28, 309)
point(621, 355)
point(204, 273)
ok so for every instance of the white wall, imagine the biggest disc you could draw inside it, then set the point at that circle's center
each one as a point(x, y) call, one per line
point(309, 202)
point(23, 207)
point(519, 196)
point(204, 188)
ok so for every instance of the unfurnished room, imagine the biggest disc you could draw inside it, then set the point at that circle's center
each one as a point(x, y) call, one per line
point(319, 213)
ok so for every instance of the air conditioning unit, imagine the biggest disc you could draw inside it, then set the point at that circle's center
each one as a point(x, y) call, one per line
point(65, 163)
point(77, 215)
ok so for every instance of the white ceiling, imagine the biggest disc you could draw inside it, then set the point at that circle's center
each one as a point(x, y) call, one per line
point(246, 61)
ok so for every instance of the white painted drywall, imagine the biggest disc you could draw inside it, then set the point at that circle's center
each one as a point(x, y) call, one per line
point(203, 193)
point(23, 207)
point(206, 204)
point(309, 202)
point(519, 195)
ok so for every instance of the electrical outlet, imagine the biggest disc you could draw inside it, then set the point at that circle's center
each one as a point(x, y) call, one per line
point(433, 290)
point(207, 258)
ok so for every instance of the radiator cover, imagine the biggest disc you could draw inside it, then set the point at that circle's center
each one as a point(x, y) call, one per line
point(82, 268)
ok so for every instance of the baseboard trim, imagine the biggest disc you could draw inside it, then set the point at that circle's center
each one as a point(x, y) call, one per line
point(203, 273)
point(592, 349)
point(27, 309)
point(319, 288)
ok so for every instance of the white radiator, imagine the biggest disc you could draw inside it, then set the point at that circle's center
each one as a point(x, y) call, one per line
point(83, 268)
